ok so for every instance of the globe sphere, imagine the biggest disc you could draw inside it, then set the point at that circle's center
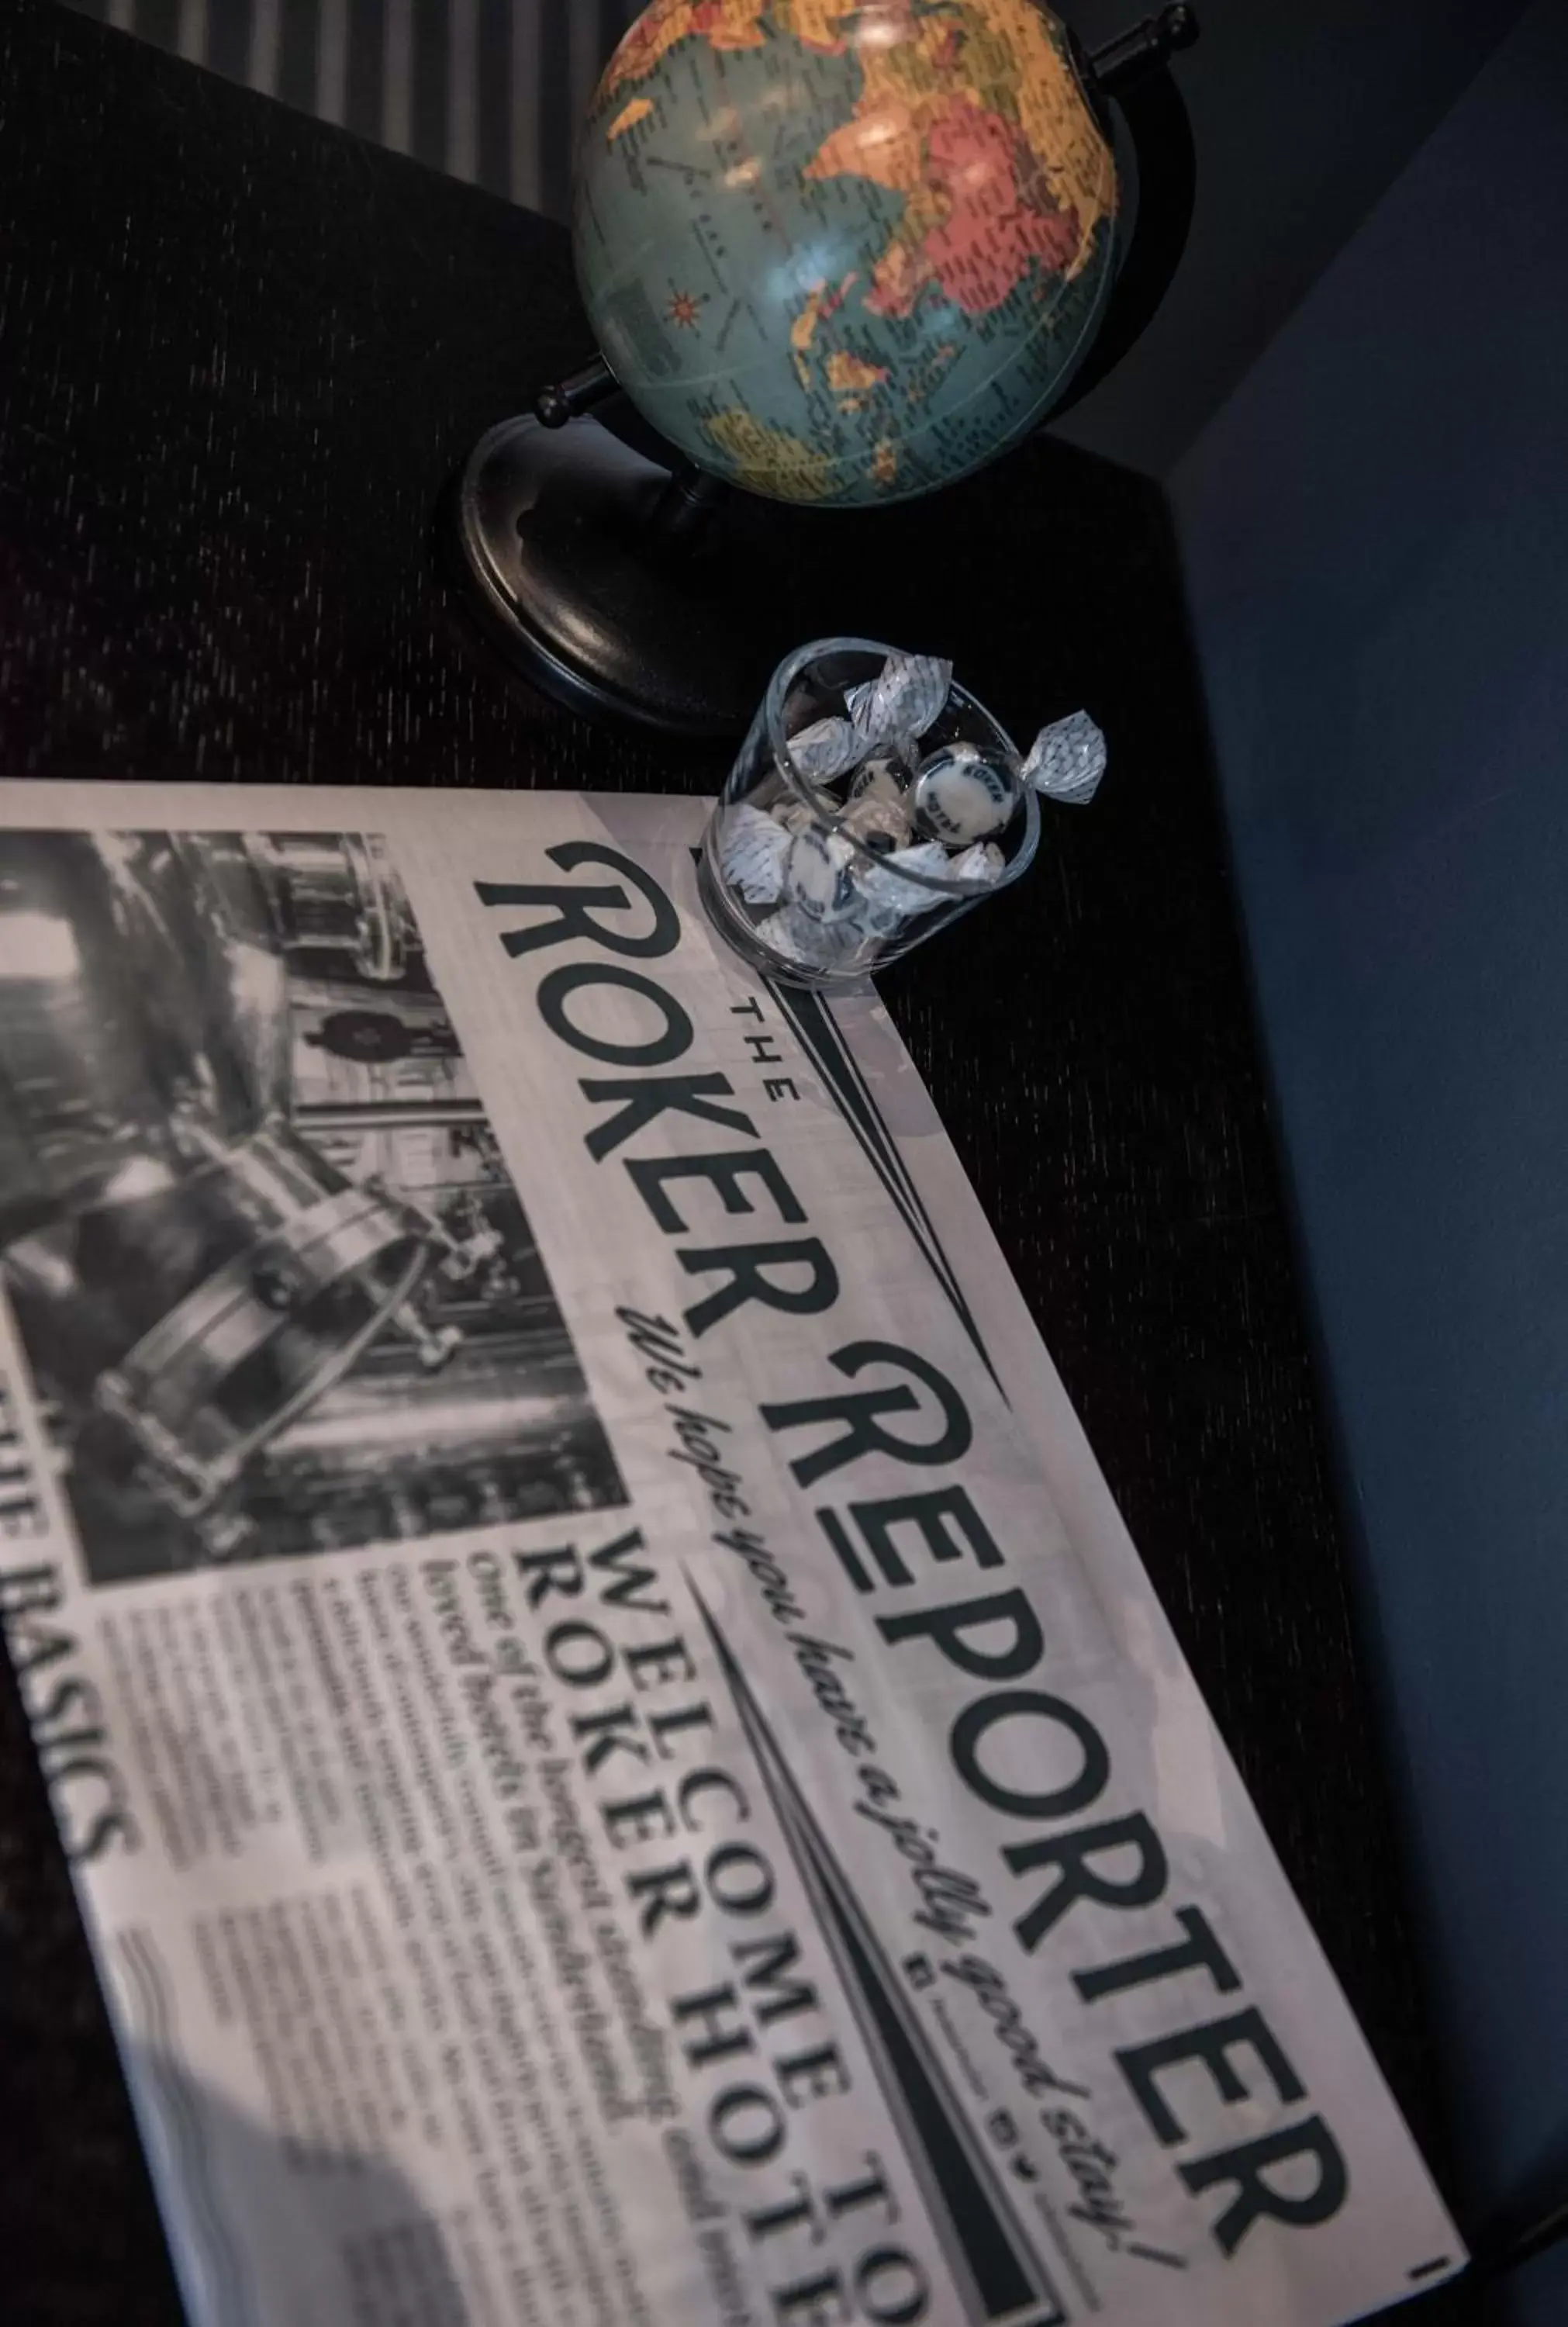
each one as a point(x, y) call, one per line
point(845, 254)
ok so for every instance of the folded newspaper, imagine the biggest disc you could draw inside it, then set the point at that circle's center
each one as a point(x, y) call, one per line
point(618, 1760)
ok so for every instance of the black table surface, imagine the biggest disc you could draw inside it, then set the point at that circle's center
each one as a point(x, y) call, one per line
point(240, 354)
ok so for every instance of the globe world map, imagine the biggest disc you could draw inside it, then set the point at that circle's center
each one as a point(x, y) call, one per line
point(844, 255)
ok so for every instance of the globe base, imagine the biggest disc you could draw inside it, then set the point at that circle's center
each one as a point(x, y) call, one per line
point(584, 580)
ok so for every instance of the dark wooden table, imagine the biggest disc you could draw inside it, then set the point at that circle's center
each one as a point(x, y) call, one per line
point(239, 356)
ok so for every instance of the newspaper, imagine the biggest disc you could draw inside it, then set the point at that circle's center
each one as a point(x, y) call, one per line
point(618, 1760)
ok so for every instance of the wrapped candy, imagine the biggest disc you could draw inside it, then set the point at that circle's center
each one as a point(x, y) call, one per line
point(826, 750)
point(882, 777)
point(961, 796)
point(904, 701)
point(1067, 760)
point(818, 882)
point(888, 897)
point(984, 864)
point(752, 848)
point(807, 944)
point(877, 823)
point(792, 814)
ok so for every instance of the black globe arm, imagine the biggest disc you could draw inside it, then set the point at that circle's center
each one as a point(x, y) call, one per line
point(1134, 70)
point(567, 399)
point(1143, 48)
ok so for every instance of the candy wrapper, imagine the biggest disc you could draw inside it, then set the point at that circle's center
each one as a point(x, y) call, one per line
point(982, 866)
point(810, 945)
point(826, 749)
point(1067, 760)
point(903, 702)
point(793, 815)
point(818, 875)
point(890, 898)
point(752, 848)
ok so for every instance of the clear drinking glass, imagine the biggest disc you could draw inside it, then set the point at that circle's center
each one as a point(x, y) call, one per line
point(819, 873)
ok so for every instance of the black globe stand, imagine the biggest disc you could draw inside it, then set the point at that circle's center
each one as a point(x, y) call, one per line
point(641, 589)
point(621, 585)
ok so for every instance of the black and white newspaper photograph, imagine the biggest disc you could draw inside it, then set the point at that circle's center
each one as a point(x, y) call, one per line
point(273, 1281)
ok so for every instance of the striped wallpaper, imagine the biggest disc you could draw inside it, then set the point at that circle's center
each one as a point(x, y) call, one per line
point(491, 90)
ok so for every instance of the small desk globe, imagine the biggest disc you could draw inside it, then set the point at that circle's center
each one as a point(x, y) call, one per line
point(844, 255)
point(838, 253)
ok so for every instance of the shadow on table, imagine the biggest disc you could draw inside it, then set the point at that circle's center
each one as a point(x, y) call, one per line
point(258, 2232)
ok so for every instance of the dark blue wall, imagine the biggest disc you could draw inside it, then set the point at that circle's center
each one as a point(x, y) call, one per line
point(1376, 534)
point(1304, 113)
